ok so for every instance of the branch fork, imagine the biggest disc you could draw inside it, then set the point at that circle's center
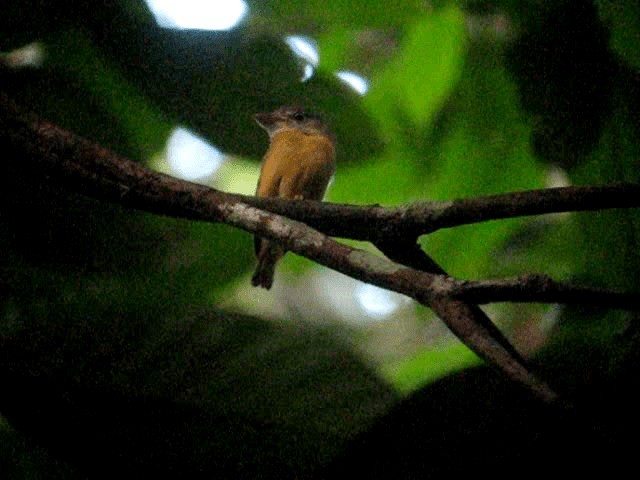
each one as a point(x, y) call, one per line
point(82, 166)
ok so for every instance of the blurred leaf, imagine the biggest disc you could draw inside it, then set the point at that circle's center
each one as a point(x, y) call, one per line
point(549, 245)
point(209, 259)
point(73, 53)
point(480, 146)
point(564, 68)
point(335, 47)
point(610, 237)
point(23, 22)
point(623, 20)
point(428, 366)
point(389, 179)
point(299, 14)
point(21, 458)
point(112, 375)
point(413, 86)
point(420, 77)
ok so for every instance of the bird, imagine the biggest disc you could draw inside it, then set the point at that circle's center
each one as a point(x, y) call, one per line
point(299, 164)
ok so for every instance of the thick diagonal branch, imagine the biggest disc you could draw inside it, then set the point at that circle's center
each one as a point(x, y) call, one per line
point(467, 321)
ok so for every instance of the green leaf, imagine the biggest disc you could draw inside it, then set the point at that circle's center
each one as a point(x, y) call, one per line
point(480, 147)
point(623, 19)
point(302, 14)
point(416, 83)
point(428, 366)
point(74, 53)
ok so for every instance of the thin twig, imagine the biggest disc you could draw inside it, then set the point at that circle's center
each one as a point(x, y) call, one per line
point(537, 288)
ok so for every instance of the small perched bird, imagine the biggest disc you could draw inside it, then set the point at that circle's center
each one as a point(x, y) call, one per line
point(299, 163)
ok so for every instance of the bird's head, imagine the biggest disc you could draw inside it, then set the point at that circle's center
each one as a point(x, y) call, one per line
point(292, 118)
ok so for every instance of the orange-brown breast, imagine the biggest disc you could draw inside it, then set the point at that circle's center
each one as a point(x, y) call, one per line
point(297, 165)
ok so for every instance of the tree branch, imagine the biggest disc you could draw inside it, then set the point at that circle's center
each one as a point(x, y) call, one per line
point(82, 166)
point(466, 320)
point(366, 222)
point(537, 288)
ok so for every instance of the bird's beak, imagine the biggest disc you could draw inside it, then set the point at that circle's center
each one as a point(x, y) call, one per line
point(267, 120)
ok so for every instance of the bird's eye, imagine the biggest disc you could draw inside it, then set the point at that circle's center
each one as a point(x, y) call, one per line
point(298, 116)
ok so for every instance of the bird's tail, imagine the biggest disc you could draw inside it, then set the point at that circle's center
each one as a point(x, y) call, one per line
point(268, 256)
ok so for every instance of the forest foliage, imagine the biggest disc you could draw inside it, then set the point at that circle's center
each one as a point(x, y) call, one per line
point(464, 98)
